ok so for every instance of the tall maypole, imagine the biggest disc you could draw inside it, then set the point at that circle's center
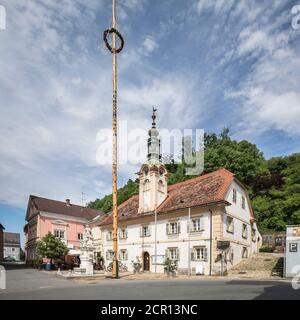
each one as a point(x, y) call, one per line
point(114, 50)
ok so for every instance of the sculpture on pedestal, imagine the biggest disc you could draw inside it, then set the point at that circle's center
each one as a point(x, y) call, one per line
point(87, 252)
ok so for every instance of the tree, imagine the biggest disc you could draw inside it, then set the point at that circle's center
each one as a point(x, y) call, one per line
point(51, 247)
point(22, 254)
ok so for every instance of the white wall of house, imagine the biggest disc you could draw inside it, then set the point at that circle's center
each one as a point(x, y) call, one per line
point(185, 242)
point(137, 245)
point(239, 240)
point(13, 252)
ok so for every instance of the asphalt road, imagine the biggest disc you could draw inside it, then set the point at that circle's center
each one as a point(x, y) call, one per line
point(30, 284)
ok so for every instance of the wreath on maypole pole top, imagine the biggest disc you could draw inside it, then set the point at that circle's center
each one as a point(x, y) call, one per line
point(105, 38)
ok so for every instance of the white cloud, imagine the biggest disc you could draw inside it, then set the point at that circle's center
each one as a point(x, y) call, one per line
point(148, 46)
point(56, 94)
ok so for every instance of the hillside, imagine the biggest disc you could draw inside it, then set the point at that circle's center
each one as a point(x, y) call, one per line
point(273, 185)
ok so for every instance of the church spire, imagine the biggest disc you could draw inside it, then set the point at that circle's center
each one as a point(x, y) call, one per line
point(154, 118)
point(153, 141)
point(153, 176)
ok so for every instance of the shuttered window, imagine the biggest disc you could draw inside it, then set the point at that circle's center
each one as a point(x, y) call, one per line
point(199, 253)
point(123, 234)
point(123, 254)
point(195, 225)
point(173, 227)
point(172, 253)
point(145, 231)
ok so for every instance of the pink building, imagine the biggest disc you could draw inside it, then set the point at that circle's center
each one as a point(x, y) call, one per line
point(64, 219)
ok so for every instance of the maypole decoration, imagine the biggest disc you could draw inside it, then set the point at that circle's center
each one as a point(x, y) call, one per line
point(114, 50)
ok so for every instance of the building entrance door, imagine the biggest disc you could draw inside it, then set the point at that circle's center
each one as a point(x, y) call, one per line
point(146, 261)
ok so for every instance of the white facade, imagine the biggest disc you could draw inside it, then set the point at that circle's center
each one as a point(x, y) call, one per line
point(195, 249)
point(12, 252)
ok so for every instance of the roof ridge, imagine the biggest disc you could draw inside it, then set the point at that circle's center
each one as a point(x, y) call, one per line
point(62, 202)
point(201, 177)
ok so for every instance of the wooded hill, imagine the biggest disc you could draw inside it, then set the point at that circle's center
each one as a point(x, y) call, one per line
point(273, 185)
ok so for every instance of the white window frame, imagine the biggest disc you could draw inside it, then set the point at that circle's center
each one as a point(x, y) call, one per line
point(173, 253)
point(123, 254)
point(79, 236)
point(173, 227)
point(145, 231)
point(58, 233)
point(123, 234)
point(243, 204)
point(196, 224)
point(109, 236)
point(199, 253)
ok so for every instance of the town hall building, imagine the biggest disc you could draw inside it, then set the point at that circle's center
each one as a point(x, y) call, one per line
point(205, 223)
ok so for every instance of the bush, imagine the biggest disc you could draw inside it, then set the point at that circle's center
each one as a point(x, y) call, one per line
point(37, 264)
point(266, 249)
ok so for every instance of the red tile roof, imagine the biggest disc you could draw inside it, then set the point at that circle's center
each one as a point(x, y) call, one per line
point(59, 207)
point(11, 238)
point(204, 190)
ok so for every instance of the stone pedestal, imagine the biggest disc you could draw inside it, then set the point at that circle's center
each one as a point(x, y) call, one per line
point(86, 253)
point(86, 259)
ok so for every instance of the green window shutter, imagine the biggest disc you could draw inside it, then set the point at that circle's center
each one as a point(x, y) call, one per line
point(167, 228)
point(178, 227)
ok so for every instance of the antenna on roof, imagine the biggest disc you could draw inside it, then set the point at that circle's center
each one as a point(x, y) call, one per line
point(82, 196)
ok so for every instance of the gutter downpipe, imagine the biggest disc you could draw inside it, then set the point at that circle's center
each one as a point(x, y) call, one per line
point(210, 245)
point(155, 248)
point(189, 243)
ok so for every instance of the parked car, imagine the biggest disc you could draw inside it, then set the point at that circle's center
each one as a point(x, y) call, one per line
point(9, 259)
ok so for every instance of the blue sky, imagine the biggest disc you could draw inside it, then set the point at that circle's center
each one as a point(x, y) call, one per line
point(205, 64)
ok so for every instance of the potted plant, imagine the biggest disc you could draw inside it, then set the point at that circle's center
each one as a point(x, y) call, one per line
point(100, 262)
point(170, 267)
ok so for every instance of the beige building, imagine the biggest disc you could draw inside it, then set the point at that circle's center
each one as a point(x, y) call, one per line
point(205, 224)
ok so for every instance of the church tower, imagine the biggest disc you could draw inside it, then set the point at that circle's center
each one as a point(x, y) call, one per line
point(153, 175)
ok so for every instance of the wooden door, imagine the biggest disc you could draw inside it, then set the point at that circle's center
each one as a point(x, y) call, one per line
point(146, 261)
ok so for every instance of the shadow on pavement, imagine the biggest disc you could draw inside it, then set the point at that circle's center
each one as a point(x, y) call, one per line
point(14, 266)
point(279, 292)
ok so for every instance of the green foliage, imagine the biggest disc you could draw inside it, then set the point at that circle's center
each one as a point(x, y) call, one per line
point(105, 204)
point(170, 265)
point(273, 185)
point(266, 249)
point(51, 247)
point(22, 254)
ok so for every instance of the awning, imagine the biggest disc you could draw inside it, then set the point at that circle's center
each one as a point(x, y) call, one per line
point(74, 252)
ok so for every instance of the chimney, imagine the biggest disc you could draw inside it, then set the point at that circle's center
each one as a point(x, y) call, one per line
point(68, 202)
